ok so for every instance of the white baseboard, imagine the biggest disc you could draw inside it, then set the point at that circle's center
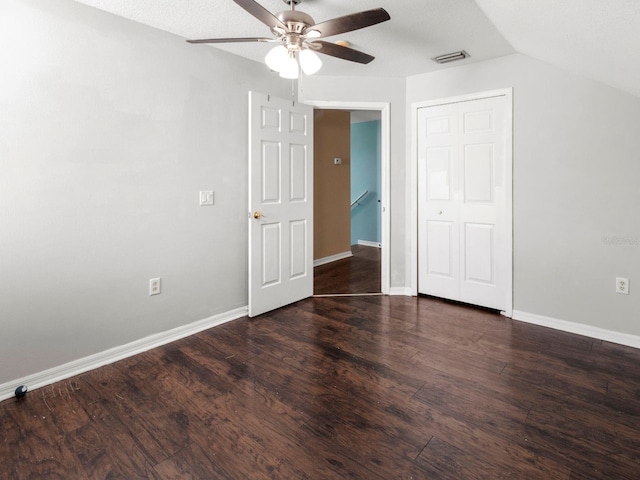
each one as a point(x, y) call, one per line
point(332, 258)
point(405, 291)
point(367, 243)
point(579, 328)
point(112, 355)
point(76, 367)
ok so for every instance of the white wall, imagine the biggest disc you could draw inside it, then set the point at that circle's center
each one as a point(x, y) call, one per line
point(108, 130)
point(576, 171)
point(376, 90)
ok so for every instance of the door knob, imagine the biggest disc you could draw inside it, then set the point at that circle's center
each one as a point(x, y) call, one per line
point(257, 214)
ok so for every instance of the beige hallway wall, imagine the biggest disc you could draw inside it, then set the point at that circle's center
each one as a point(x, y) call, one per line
point(332, 183)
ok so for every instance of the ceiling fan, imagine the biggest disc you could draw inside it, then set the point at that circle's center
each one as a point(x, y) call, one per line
point(299, 37)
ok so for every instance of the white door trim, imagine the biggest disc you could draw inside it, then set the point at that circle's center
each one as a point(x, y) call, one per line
point(385, 155)
point(413, 182)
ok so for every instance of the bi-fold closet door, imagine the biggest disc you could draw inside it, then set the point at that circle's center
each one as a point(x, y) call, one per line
point(464, 234)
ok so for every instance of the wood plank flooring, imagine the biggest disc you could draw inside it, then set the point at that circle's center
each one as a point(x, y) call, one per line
point(332, 388)
point(357, 274)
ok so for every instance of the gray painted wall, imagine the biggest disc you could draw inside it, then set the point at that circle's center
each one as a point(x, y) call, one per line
point(108, 130)
point(576, 196)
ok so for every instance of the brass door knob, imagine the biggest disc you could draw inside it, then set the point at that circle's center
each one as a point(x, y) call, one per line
point(257, 214)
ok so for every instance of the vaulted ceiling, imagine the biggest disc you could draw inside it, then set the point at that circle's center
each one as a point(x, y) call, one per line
point(595, 38)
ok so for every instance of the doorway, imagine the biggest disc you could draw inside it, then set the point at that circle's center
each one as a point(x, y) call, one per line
point(347, 202)
point(369, 256)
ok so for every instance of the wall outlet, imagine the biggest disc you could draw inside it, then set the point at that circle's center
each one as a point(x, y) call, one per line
point(154, 286)
point(206, 197)
point(622, 285)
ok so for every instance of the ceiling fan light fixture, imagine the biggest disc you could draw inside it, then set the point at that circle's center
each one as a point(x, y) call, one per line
point(451, 57)
point(297, 32)
point(309, 62)
point(277, 58)
point(290, 69)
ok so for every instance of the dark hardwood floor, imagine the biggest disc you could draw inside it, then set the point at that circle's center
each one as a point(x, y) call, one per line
point(357, 274)
point(345, 387)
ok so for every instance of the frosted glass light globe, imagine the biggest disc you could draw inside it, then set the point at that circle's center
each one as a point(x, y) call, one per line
point(277, 58)
point(290, 69)
point(310, 62)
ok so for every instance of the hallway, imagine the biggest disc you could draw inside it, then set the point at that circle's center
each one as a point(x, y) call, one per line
point(357, 274)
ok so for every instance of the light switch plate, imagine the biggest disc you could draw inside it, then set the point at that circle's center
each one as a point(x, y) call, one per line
point(206, 197)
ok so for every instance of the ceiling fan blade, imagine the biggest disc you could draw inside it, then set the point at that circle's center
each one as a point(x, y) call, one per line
point(339, 51)
point(261, 13)
point(234, 40)
point(350, 22)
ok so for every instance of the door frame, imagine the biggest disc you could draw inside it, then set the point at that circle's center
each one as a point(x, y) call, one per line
point(413, 182)
point(385, 155)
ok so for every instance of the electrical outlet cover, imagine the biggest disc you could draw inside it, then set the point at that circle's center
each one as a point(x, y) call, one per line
point(155, 286)
point(622, 285)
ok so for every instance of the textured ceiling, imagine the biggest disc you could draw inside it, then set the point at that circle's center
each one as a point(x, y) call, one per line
point(595, 38)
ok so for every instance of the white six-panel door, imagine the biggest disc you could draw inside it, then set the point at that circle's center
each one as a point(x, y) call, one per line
point(463, 229)
point(280, 202)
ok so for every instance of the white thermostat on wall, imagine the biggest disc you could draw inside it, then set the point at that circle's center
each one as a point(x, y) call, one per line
point(337, 161)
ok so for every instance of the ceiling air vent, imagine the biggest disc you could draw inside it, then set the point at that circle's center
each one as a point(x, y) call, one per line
point(452, 57)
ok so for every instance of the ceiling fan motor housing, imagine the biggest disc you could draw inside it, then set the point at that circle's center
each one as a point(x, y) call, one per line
point(295, 20)
point(296, 23)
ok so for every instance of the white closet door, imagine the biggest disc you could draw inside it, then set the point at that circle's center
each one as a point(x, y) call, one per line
point(438, 192)
point(462, 203)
